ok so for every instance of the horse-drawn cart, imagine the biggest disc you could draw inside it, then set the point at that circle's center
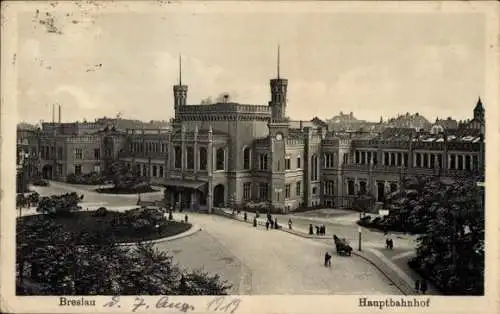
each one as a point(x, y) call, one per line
point(342, 246)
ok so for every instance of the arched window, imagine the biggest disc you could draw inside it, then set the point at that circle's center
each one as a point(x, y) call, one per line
point(155, 170)
point(203, 158)
point(161, 171)
point(220, 159)
point(246, 158)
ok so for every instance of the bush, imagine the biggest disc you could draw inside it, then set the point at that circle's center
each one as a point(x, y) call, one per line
point(41, 182)
point(92, 178)
point(101, 212)
point(59, 204)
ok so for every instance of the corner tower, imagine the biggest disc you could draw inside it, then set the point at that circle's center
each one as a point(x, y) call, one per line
point(278, 94)
point(180, 91)
point(479, 111)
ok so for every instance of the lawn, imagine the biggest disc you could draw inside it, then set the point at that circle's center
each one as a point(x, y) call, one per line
point(79, 223)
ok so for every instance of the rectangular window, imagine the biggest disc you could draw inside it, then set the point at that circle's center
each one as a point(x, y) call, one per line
point(345, 158)
point(78, 153)
point(247, 191)
point(263, 191)
point(288, 189)
point(177, 157)
point(357, 157)
point(161, 171)
point(287, 163)
point(405, 159)
point(418, 160)
point(298, 188)
point(97, 153)
point(299, 164)
point(189, 158)
point(203, 158)
point(426, 160)
point(263, 161)
point(475, 162)
point(387, 160)
point(440, 161)
point(400, 159)
point(60, 153)
point(453, 162)
point(460, 163)
point(97, 168)
point(433, 161)
point(78, 169)
point(350, 187)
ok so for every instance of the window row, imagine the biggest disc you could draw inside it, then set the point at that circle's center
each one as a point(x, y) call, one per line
point(263, 191)
point(148, 147)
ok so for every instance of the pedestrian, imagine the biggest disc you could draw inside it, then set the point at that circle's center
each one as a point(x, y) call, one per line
point(391, 244)
point(245, 216)
point(423, 286)
point(186, 218)
point(387, 243)
point(324, 230)
point(267, 225)
point(170, 216)
point(275, 223)
point(328, 262)
point(317, 230)
point(417, 286)
point(290, 223)
point(311, 232)
point(255, 221)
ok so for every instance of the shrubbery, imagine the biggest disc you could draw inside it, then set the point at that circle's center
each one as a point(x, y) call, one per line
point(92, 178)
point(59, 204)
point(54, 262)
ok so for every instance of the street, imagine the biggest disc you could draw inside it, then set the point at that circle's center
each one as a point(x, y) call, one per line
point(254, 260)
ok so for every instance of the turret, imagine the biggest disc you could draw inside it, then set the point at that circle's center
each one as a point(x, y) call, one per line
point(180, 92)
point(278, 94)
point(479, 111)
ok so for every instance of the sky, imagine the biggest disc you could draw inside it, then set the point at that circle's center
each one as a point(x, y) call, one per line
point(101, 63)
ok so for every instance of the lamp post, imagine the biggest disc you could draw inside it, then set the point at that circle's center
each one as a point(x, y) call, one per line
point(359, 238)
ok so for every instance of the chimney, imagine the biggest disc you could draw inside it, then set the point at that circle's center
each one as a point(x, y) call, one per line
point(53, 113)
point(59, 114)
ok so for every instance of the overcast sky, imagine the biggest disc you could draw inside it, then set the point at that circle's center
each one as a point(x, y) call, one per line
point(371, 64)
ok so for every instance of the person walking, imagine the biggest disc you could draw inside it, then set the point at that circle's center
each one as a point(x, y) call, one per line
point(267, 225)
point(328, 260)
point(417, 286)
point(255, 222)
point(423, 286)
point(290, 223)
point(275, 223)
point(245, 216)
point(186, 218)
point(311, 230)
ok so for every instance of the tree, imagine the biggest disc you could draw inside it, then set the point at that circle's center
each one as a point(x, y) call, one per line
point(61, 263)
point(123, 177)
point(451, 249)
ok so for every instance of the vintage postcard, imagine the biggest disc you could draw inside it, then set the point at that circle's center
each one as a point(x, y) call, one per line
point(249, 157)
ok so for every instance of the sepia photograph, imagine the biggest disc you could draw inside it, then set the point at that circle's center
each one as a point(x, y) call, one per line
point(190, 149)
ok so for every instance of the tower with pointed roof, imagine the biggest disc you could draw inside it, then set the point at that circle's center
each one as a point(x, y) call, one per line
point(278, 94)
point(180, 91)
point(479, 111)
